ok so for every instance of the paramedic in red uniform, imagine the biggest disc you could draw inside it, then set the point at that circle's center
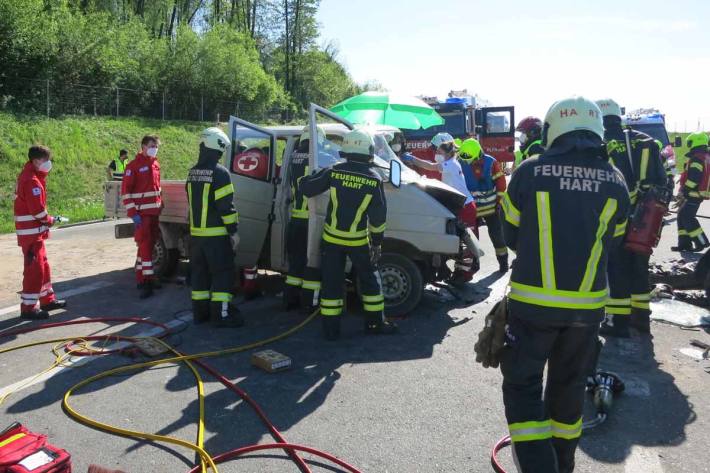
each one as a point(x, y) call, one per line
point(140, 192)
point(32, 224)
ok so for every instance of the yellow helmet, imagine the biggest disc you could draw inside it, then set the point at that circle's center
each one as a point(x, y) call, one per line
point(699, 139)
point(470, 150)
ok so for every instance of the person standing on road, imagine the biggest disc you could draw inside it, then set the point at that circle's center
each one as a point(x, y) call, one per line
point(117, 167)
point(302, 283)
point(140, 192)
point(354, 227)
point(213, 234)
point(530, 129)
point(563, 212)
point(638, 158)
point(485, 181)
point(452, 175)
point(32, 223)
point(693, 190)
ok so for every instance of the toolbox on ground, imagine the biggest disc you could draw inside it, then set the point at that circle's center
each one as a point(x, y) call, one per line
point(22, 451)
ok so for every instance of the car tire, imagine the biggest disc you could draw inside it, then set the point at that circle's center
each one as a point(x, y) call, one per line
point(402, 284)
point(164, 260)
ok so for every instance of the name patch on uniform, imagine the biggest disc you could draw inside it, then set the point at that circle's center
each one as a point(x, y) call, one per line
point(354, 182)
point(128, 172)
point(200, 175)
point(36, 191)
point(578, 178)
point(143, 169)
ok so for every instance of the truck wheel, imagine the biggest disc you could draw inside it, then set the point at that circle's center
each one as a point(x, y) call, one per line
point(164, 261)
point(402, 284)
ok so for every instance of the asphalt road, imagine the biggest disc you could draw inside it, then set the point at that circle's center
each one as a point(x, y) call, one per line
point(415, 402)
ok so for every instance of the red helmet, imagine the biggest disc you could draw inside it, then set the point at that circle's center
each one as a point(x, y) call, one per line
point(530, 126)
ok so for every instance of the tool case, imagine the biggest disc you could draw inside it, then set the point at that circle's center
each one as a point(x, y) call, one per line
point(22, 451)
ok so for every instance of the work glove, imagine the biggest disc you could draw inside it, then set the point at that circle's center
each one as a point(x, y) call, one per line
point(407, 158)
point(375, 254)
point(680, 201)
point(137, 220)
point(492, 338)
point(59, 219)
point(234, 240)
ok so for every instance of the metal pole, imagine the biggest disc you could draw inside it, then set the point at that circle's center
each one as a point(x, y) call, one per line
point(47, 97)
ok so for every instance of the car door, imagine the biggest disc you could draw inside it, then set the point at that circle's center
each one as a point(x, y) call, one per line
point(250, 161)
point(319, 156)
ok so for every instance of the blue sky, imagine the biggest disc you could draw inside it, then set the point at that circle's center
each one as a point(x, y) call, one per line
point(531, 53)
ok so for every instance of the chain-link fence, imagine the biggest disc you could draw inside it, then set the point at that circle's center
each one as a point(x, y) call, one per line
point(53, 99)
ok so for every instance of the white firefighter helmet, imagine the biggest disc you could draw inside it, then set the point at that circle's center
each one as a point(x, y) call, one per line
point(441, 138)
point(572, 114)
point(306, 133)
point(609, 107)
point(358, 141)
point(214, 138)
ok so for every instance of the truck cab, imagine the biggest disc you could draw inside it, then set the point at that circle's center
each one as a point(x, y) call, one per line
point(653, 123)
point(421, 236)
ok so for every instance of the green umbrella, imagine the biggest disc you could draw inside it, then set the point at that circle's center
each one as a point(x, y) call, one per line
point(384, 108)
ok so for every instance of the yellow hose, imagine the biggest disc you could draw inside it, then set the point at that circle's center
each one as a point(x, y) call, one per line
point(205, 458)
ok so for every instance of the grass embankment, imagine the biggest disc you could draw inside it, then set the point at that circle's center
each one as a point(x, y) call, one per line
point(82, 149)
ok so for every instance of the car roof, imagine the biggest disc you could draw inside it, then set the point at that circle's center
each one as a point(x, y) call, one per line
point(330, 128)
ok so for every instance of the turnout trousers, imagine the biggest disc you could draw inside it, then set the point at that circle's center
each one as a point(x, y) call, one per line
point(146, 234)
point(467, 263)
point(495, 232)
point(333, 270)
point(36, 277)
point(689, 229)
point(545, 430)
point(302, 283)
point(212, 273)
point(629, 289)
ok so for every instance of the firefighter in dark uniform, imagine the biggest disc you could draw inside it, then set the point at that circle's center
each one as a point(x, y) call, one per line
point(693, 190)
point(629, 288)
point(530, 129)
point(354, 227)
point(563, 212)
point(213, 233)
point(302, 283)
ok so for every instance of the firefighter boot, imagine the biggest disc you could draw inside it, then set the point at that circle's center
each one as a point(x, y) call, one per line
point(376, 324)
point(619, 327)
point(224, 314)
point(146, 289)
point(641, 320)
point(291, 297)
point(200, 312)
point(34, 314)
point(502, 263)
point(331, 328)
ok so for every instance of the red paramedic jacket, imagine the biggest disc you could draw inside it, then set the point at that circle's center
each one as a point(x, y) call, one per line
point(140, 189)
point(32, 221)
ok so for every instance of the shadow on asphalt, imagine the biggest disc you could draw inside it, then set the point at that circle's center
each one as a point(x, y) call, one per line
point(652, 412)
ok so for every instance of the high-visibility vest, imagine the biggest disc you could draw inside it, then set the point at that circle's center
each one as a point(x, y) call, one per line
point(117, 173)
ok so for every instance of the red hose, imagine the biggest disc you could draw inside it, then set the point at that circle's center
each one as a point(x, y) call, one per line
point(500, 445)
point(290, 449)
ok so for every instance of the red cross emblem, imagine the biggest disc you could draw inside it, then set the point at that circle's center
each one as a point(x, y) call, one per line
point(248, 162)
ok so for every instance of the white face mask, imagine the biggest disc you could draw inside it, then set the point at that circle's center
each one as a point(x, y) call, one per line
point(45, 166)
point(396, 147)
point(152, 152)
point(523, 139)
point(439, 158)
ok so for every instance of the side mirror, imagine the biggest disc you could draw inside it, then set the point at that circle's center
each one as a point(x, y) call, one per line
point(678, 142)
point(395, 173)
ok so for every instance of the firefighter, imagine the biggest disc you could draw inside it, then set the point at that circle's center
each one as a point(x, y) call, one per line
point(563, 212)
point(485, 181)
point(213, 234)
point(354, 227)
point(32, 223)
point(452, 175)
point(117, 167)
point(694, 189)
point(302, 283)
point(140, 192)
point(637, 156)
point(530, 129)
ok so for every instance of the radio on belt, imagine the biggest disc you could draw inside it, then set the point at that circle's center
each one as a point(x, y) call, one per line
point(271, 361)
point(22, 451)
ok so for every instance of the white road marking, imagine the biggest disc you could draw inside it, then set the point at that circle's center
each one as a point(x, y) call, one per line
point(643, 459)
point(78, 361)
point(64, 294)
